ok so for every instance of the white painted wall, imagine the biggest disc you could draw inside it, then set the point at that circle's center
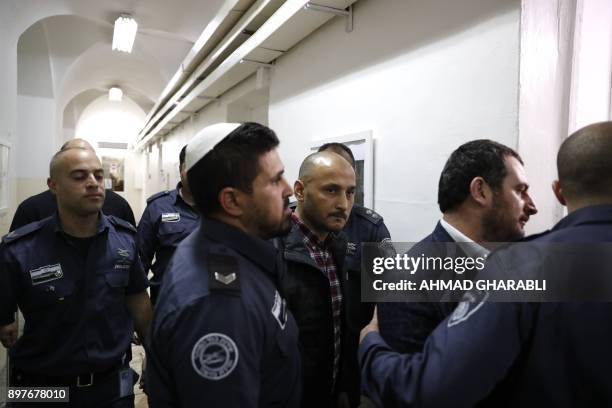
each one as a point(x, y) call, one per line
point(592, 64)
point(425, 77)
point(35, 144)
point(566, 65)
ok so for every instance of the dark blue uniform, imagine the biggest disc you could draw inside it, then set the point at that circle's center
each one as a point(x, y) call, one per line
point(507, 354)
point(166, 221)
point(221, 332)
point(363, 225)
point(71, 292)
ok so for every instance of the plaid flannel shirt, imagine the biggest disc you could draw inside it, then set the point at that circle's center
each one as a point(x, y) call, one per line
point(325, 261)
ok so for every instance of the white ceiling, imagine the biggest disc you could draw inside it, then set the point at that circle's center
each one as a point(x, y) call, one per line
point(66, 53)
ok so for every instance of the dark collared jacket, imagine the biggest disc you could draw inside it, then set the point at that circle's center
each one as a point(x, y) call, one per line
point(76, 318)
point(166, 221)
point(550, 354)
point(221, 335)
point(306, 288)
point(406, 325)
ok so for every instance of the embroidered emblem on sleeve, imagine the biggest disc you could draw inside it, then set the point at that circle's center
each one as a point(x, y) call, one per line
point(214, 356)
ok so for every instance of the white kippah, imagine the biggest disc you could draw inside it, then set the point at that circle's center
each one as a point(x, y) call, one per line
point(205, 141)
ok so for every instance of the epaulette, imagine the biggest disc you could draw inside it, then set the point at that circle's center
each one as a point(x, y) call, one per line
point(157, 195)
point(368, 214)
point(118, 222)
point(223, 273)
point(22, 232)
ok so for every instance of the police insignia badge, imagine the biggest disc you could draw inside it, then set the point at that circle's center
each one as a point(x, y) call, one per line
point(214, 356)
point(225, 279)
point(468, 306)
point(279, 310)
point(46, 273)
point(124, 261)
point(170, 217)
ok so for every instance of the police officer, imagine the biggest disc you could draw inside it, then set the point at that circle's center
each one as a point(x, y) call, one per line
point(363, 225)
point(520, 354)
point(167, 220)
point(78, 280)
point(221, 333)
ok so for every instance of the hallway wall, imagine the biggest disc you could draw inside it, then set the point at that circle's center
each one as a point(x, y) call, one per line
point(433, 76)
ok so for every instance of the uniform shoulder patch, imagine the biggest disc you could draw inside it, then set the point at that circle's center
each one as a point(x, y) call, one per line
point(157, 195)
point(118, 222)
point(223, 273)
point(471, 302)
point(22, 232)
point(214, 356)
point(368, 214)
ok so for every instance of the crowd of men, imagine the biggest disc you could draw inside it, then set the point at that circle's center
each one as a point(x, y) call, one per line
point(257, 301)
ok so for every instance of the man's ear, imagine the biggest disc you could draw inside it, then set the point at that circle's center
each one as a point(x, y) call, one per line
point(480, 191)
point(52, 185)
point(558, 191)
point(229, 199)
point(298, 190)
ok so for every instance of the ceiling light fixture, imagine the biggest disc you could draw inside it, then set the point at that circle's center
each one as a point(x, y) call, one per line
point(115, 94)
point(124, 33)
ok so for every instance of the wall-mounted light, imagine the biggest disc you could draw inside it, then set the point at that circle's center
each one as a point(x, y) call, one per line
point(125, 33)
point(115, 94)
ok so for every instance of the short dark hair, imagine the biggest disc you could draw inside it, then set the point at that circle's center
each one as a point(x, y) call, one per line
point(338, 146)
point(182, 156)
point(234, 162)
point(584, 162)
point(478, 158)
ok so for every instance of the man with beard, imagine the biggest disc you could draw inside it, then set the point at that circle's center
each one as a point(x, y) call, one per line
point(77, 278)
point(315, 278)
point(524, 354)
point(221, 331)
point(483, 196)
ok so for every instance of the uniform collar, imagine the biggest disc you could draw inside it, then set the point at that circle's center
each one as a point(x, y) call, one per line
point(256, 249)
point(594, 214)
point(103, 223)
point(177, 196)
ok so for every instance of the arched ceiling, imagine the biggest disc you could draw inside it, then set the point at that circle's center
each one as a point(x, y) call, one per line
point(66, 54)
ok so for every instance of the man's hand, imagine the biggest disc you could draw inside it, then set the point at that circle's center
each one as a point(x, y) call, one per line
point(372, 326)
point(8, 334)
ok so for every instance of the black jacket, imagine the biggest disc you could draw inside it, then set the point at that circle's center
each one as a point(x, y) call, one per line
point(306, 289)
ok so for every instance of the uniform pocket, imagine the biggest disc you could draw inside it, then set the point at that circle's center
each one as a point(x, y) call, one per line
point(117, 279)
point(171, 233)
point(49, 293)
point(51, 302)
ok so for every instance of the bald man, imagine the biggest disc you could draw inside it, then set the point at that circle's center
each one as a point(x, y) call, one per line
point(77, 278)
point(44, 204)
point(314, 284)
point(523, 354)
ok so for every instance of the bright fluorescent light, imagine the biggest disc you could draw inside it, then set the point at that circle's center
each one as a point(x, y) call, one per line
point(115, 94)
point(125, 33)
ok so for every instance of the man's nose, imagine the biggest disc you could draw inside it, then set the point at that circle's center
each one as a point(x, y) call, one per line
point(530, 206)
point(287, 190)
point(342, 202)
point(92, 181)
